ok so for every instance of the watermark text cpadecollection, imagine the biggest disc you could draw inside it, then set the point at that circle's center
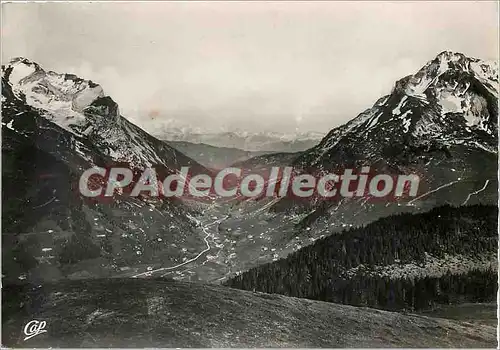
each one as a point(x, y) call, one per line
point(100, 182)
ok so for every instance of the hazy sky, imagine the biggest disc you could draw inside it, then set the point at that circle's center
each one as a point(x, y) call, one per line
point(258, 66)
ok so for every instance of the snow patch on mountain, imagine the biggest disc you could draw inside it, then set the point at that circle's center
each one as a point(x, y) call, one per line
point(63, 96)
point(406, 121)
point(397, 110)
point(451, 100)
point(487, 73)
point(20, 70)
point(81, 107)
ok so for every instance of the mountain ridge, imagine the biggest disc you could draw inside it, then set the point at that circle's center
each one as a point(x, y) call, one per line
point(457, 163)
point(423, 95)
point(81, 108)
point(247, 141)
point(54, 127)
point(409, 130)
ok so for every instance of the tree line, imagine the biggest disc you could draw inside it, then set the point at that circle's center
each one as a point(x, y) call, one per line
point(323, 270)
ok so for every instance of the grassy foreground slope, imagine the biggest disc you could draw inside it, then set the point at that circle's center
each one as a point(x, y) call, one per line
point(160, 313)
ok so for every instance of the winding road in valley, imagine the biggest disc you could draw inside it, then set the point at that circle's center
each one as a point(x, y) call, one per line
point(208, 235)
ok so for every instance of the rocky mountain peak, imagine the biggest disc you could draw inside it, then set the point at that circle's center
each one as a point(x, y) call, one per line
point(84, 114)
point(20, 68)
point(66, 96)
point(447, 69)
point(451, 100)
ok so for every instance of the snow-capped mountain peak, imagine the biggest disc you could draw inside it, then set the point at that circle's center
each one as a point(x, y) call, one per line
point(20, 68)
point(451, 100)
point(66, 96)
point(448, 64)
point(173, 130)
point(81, 108)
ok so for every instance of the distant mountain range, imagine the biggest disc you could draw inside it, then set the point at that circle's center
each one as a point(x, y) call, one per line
point(247, 141)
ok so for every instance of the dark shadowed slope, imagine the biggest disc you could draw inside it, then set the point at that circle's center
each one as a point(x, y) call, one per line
point(211, 156)
point(153, 313)
point(266, 161)
point(55, 126)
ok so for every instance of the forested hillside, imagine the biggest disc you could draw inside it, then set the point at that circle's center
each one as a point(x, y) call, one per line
point(447, 255)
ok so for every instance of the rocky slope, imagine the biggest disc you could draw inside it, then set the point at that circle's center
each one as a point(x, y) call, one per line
point(440, 123)
point(81, 108)
point(451, 101)
point(55, 126)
